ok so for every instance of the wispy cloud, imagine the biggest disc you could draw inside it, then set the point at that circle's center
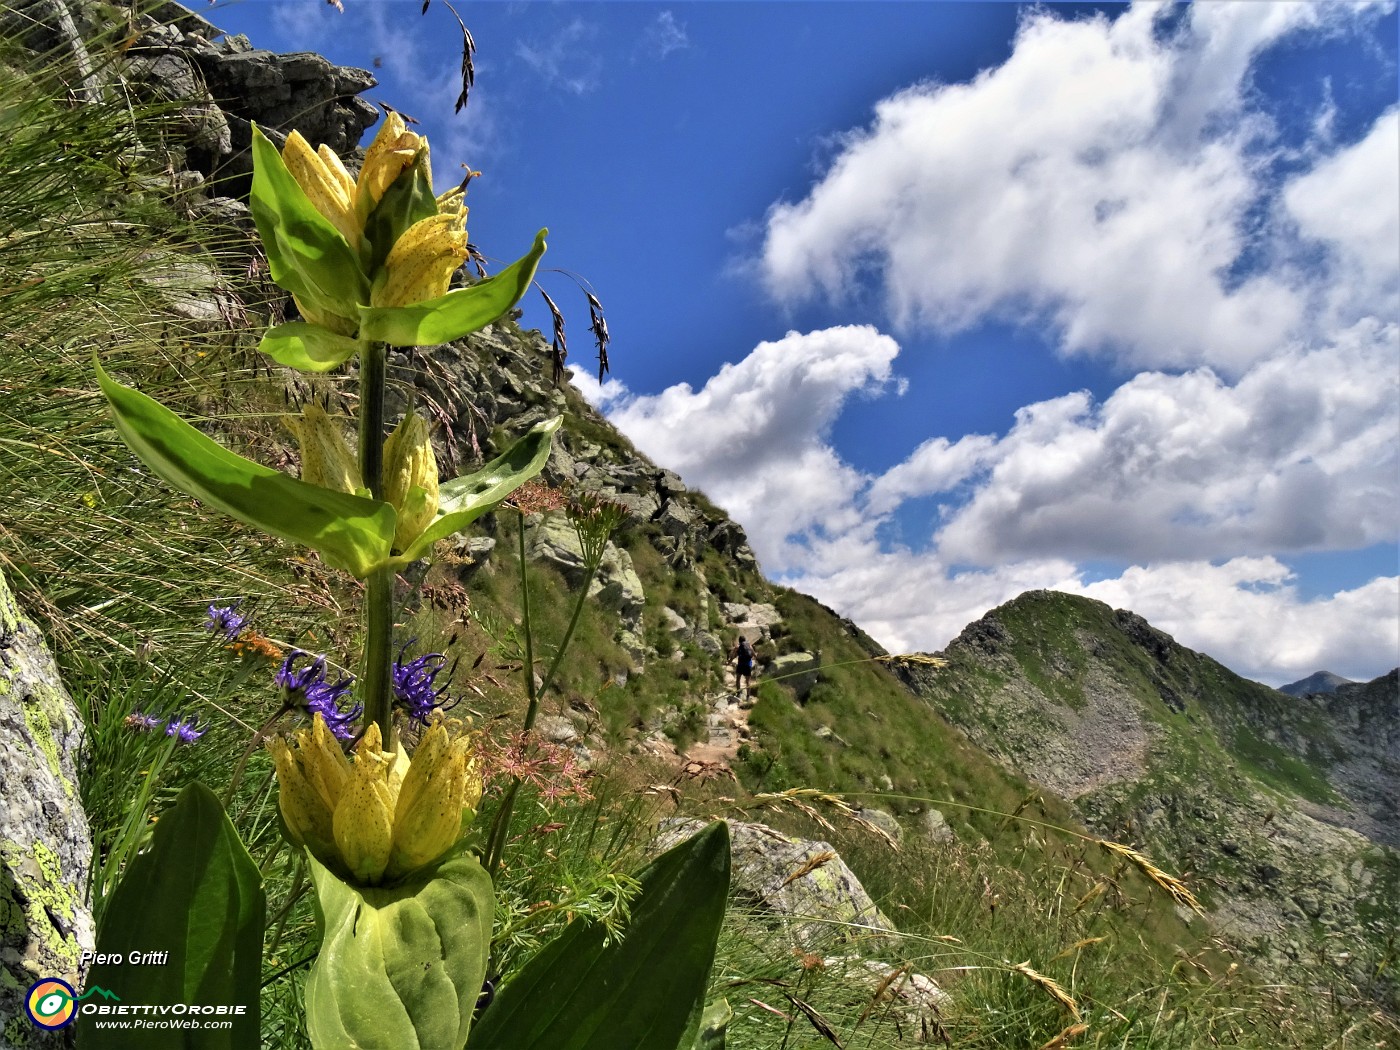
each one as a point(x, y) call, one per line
point(665, 35)
point(567, 60)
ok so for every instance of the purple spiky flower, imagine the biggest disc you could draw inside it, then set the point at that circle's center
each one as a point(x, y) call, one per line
point(416, 691)
point(308, 690)
point(188, 730)
point(223, 620)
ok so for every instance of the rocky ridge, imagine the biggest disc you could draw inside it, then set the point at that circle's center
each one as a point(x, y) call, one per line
point(1285, 810)
point(1317, 682)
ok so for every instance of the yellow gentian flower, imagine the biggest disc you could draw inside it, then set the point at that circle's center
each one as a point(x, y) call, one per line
point(421, 263)
point(326, 183)
point(410, 478)
point(393, 150)
point(377, 816)
point(326, 459)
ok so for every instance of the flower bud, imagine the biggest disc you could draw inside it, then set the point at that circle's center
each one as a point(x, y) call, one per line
point(312, 779)
point(410, 479)
point(326, 460)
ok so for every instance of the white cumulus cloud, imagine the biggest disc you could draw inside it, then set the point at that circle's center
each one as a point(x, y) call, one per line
point(1351, 202)
point(1248, 613)
point(754, 436)
point(1299, 454)
point(1099, 178)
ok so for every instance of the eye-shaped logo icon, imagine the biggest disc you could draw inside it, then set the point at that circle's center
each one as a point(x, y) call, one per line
point(50, 1003)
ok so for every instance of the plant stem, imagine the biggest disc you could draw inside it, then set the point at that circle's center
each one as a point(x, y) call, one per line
point(548, 679)
point(379, 623)
point(534, 697)
point(379, 597)
point(500, 826)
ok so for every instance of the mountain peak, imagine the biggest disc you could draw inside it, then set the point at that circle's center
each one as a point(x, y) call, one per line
point(1317, 682)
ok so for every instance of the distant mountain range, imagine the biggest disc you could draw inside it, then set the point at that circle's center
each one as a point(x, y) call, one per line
point(1317, 682)
point(1287, 812)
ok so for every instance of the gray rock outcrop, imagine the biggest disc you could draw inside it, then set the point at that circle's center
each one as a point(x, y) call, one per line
point(45, 848)
point(800, 886)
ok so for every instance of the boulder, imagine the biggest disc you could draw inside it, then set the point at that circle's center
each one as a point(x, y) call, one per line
point(800, 886)
point(556, 729)
point(617, 586)
point(797, 670)
point(675, 519)
point(45, 846)
point(882, 819)
point(913, 1001)
point(935, 825)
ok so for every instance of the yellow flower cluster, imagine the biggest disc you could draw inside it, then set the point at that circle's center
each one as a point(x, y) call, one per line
point(377, 816)
point(410, 467)
point(421, 262)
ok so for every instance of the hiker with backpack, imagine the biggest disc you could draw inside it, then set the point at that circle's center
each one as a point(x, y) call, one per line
point(744, 658)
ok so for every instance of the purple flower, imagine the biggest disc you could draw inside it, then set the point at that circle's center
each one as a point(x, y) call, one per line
point(308, 689)
point(415, 688)
point(188, 730)
point(224, 620)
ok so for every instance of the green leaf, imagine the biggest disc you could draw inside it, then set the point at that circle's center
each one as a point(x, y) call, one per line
point(464, 499)
point(714, 1026)
point(308, 347)
point(351, 532)
point(400, 967)
point(306, 254)
point(644, 992)
point(408, 199)
point(197, 895)
point(458, 312)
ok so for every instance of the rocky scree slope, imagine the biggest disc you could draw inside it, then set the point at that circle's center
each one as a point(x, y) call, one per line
point(1284, 809)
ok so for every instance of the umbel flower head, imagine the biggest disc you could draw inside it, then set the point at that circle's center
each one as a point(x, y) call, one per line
point(376, 816)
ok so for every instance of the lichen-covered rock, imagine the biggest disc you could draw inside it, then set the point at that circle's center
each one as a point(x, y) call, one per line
point(45, 849)
point(615, 584)
point(801, 885)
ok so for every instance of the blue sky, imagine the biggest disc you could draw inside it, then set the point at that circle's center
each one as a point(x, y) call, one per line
point(944, 301)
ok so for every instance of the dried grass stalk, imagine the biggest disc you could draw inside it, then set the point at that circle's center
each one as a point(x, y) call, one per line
point(1174, 886)
point(1051, 987)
